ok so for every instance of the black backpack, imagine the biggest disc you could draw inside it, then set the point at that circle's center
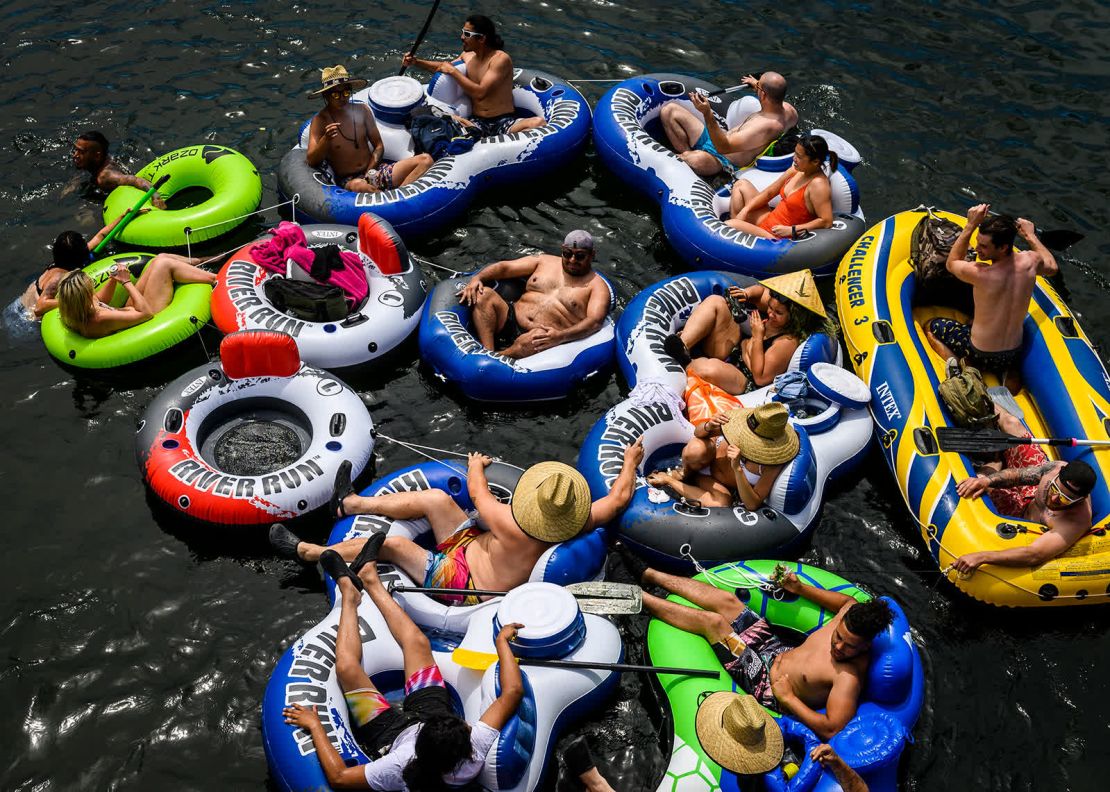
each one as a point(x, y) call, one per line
point(314, 302)
point(930, 243)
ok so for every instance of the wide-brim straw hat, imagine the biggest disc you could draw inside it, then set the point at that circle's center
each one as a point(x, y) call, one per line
point(763, 434)
point(798, 287)
point(552, 502)
point(738, 734)
point(335, 77)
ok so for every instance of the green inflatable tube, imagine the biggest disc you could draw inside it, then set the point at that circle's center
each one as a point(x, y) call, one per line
point(183, 317)
point(668, 645)
point(233, 183)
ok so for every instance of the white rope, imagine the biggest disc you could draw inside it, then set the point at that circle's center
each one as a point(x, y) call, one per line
point(426, 262)
point(760, 582)
point(415, 448)
point(607, 80)
point(190, 231)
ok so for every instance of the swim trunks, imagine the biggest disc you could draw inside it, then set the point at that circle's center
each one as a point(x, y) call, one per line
point(497, 125)
point(1013, 501)
point(758, 647)
point(376, 723)
point(957, 337)
point(380, 177)
point(446, 567)
point(510, 331)
point(704, 143)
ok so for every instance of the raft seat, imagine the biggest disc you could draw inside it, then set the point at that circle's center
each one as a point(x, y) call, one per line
point(259, 353)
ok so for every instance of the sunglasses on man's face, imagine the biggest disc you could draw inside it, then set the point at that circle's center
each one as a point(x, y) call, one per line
point(1065, 499)
point(338, 92)
point(471, 34)
point(575, 254)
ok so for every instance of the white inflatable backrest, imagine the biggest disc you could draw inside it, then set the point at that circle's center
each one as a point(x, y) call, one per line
point(841, 194)
point(847, 153)
point(447, 90)
point(739, 111)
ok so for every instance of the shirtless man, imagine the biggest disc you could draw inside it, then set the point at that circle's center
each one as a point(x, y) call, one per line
point(345, 135)
point(90, 154)
point(563, 301)
point(1002, 284)
point(494, 549)
point(488, 80)
point(827, 671)
point(707, 148)
point(1060, 499)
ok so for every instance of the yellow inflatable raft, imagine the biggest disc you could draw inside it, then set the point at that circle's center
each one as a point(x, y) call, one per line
point(1066, 393)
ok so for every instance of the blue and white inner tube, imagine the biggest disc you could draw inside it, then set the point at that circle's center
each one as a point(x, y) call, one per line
point(438, 197)
point(574, 561)
point(834, 430)
point(630, 140)
point(450, 348)
point(553, 697)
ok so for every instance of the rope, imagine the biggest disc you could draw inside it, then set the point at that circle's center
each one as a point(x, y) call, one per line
point(760, 582)
point(415, 448)
point(426, 262)
point(189, 231)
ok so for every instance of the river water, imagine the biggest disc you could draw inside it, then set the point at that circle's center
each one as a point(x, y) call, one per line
point(134, 648)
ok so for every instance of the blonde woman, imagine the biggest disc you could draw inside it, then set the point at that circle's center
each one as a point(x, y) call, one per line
point(85, 309)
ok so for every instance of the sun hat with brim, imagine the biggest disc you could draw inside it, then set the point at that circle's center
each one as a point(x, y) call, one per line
point(551, 502)
point(763, 434)
point(798, 287)
point(336, 77)
point(738, 734)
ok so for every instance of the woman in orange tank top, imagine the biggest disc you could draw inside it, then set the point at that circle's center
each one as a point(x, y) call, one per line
point(805, 196)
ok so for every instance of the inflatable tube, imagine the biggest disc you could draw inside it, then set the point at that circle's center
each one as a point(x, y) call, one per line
point(383, 320)
point(871, 742)
point(457, 357)
point(832, 422)
point(519, 759)
point(233, 183)
point(581, 558)
point(183, 317)
point(630, 140)
point(1066, 394)
point(442, 194)
point(258, 381)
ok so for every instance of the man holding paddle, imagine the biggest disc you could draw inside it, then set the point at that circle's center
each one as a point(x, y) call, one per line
point(708, 149)
point(1002, 282)
point(493, 548)
point(90, 154)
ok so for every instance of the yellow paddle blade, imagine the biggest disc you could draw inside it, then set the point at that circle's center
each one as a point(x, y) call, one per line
point(468, 658)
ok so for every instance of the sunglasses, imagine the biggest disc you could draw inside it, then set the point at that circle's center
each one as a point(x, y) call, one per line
point(340, 92)
point(1067, 500)
point(575, 254)
point(472, 34)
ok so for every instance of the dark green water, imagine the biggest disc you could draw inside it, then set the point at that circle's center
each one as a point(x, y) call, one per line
point(134, 650)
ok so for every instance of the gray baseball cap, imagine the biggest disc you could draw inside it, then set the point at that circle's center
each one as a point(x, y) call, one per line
point(579, 239)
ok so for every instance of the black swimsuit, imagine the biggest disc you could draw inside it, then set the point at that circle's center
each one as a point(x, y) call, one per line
point(736, 358)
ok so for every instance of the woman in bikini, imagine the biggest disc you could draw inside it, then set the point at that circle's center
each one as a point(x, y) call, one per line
point(70, 252)
point(85, 309)
point(740, 453)
point(748, 336)
point(805, 196)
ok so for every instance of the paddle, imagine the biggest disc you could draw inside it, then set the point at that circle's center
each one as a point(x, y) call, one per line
point(600, 597)
point(480, 661)
point(422, 34)
point(975, 441)
point(131, 213)
point(733, 88)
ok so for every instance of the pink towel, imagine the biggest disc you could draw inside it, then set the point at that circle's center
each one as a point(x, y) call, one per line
point(272, 254)
point(351, 279)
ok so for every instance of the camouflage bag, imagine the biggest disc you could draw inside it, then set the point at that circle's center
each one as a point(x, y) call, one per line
point(967, 398)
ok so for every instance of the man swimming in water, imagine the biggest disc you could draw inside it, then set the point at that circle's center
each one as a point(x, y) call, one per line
point(827, 671)
point(493, 548)
point(564, 300)
point(344, 137)
point(90, 154)
point(488, 80)
point(708, 149)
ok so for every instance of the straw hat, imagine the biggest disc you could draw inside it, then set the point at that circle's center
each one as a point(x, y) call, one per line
point(336, 76)
point(551, 502)
point(763, 434)
point(738, 734)
point(798, 287)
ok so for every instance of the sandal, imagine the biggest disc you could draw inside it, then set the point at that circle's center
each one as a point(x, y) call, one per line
point(341, 489)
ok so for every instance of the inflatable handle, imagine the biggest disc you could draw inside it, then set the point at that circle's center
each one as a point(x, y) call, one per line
point(127, 218)
point(808, 772)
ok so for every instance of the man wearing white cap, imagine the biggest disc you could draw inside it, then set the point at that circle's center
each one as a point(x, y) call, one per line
point(493, 548)
point(564, 300)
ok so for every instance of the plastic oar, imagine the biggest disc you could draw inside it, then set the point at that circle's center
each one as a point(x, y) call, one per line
point(480, 661)
point(734, 88)
point(975, 441)
point(134, 210)
point(422, 34)
point(1059, 238)
point(600, 597)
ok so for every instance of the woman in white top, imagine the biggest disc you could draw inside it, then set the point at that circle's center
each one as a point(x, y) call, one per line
point(744, 451)
point(427, 746)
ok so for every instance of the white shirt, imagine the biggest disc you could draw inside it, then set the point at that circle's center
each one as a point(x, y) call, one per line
point(385, 774)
